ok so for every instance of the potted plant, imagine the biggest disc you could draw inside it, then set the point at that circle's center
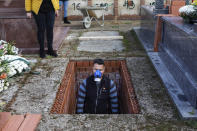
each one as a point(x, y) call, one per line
point(189, 12)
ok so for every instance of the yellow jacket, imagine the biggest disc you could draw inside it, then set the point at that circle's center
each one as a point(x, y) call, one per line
point(34, 5)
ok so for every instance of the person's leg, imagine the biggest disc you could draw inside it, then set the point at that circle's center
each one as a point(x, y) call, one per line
point(65, 8)
point(60, 3)
point(50, 19)
point(40, 22)
point(65, 12)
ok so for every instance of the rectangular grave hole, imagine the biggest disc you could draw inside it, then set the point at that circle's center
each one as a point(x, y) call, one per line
point(76, 71)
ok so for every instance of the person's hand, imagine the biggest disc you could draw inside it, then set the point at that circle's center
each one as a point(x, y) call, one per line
point(29, 15)
point(56, 13)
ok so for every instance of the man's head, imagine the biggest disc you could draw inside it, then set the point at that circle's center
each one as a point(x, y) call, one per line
point(99, 65)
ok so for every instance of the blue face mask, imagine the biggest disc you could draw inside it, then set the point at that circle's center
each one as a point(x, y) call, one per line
point(97, 75)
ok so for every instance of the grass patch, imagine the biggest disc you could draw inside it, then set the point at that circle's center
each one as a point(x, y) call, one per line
point(136, 41)
point(191, 123)
point(73, 45)
point(115, 26)
point(49, 57)
point(127, 45)
point(131, 42)
point(126, 42)
point(127, 22)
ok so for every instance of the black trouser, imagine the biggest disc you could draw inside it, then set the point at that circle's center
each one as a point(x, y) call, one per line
point(45, 21)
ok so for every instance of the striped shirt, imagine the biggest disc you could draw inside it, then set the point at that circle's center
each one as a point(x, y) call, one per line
point(112, 94)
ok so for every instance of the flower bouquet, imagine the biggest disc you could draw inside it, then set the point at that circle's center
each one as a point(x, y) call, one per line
point(11, 63)
point(189, 12)
point(7, 48)
point(3, 76)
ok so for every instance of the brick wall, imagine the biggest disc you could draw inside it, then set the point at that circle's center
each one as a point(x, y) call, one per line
point(76, 71)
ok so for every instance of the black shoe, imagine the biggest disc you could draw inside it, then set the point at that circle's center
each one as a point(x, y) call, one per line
point(42, 55)
point(66, 21)
point(52, 53)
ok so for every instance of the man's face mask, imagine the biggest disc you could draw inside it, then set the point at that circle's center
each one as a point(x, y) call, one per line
point(98, 71)
point(97, 76)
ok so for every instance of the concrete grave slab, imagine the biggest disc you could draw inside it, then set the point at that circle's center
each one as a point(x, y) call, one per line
point(100, 41)
point(100, 46)
point(73, 36)
point(100, 33)
point(101, 38)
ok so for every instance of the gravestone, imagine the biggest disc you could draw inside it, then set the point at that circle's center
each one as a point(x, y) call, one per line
point(15, 27)
point(176, 58)
point(159, 7)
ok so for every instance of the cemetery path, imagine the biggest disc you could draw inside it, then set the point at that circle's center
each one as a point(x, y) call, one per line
point(35, 93)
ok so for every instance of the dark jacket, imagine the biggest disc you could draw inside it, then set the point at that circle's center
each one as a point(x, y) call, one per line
point(97, 98)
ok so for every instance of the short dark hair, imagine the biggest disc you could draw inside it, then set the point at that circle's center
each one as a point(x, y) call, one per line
point(99, 61)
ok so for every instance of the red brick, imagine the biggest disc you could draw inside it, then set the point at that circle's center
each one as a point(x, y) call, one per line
point(113, 63)
point(86, 64)
point(175, 10)
point(79, 63)
point(178, 3)
point(107, 63)
point(158, 33)
point(66, 99)
point(91, 63)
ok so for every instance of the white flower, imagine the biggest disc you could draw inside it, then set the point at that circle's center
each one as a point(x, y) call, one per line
point(18, 65)
point(5, 87)
point(25, 66)
point(5, 46)
point(20, 69)
point(1, 69)
point(2, 42)
point(7, 84)
point(14, 50)
point(188, 9)
point(11, 72)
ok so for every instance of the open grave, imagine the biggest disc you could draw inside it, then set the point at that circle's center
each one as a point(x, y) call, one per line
point(76, 71)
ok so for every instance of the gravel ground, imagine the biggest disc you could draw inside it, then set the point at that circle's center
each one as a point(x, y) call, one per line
point(35, 93)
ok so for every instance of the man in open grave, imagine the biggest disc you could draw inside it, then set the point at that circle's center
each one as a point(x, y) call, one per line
point(97, 94)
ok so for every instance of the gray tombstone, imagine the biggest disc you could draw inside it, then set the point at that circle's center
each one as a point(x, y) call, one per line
point(159, 7)
point(159, 4)
point(187, 2)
